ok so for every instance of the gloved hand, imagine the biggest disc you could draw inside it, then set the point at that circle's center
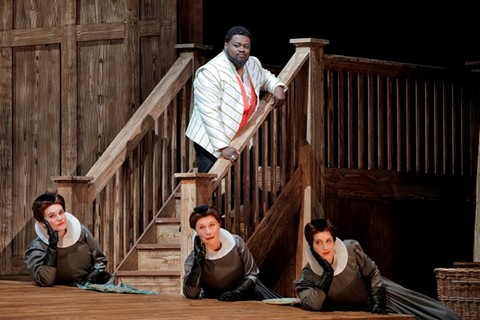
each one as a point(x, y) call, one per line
point(52, 250)
point(243, 291)
point(327, 275)
point(195, 276)
point(97, 276)
point(378, 301)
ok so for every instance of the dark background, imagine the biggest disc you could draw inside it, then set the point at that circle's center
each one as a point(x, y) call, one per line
point(444, 35)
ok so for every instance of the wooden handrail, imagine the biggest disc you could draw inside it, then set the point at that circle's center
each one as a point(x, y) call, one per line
point(135, 129)
point(241, 140)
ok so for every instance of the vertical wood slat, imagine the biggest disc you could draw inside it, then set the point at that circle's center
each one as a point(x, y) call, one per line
point(380, 107)
point(247, 181)
point(408, 126)
point(255, 176)
point(361, 121)
point(445, 144)
point(340, 121)
point(390, 124)
point(330, 124)
point(264, 159)
point(350, 123)
point(371, 123)
point(400, 124)
point(426, 127)
point(275, 154)
point(417, 126)
point(436, 130)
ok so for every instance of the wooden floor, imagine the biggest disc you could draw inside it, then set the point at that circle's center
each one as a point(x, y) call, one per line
point(25, 300)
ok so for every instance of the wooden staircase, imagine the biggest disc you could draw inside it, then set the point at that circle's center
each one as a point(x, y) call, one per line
point(157, 266)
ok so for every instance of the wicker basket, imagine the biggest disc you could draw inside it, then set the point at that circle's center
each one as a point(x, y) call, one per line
point(459, 289)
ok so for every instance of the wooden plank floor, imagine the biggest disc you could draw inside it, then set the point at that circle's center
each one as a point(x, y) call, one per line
point(25, 300)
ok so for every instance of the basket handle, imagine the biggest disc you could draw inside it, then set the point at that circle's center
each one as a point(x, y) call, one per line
point(476, 282)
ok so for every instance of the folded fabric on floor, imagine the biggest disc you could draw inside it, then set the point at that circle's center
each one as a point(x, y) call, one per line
point(110, 288)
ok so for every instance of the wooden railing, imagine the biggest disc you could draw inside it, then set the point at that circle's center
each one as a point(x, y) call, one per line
point(133, 178)
point(398, 117)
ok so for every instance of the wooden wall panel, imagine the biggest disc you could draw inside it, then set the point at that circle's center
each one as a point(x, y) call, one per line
point(103, 91)
point(70, 80)
point(36, 136)
point(6, 152)
point(94, 12)
point(36, 14)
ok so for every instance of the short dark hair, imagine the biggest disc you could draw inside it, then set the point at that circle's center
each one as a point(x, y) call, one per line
point(43, 202)
point(203, 211)
point(237, 30)
point(319, 225)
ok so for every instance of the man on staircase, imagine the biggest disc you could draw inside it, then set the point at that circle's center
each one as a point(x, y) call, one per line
point(226, 94)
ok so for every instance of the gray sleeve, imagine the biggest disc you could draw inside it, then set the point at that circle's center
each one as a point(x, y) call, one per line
point(311, 297)
point(43, 276)
point(368, 268)
point(99, 258)
point(249, 265)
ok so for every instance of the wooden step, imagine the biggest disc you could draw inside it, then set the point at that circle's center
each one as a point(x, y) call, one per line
point(165, 282)
point(168, 230)
point(165, 257)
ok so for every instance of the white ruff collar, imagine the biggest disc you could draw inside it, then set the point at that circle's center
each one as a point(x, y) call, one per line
point(70, 238)
point(227, 241)
point(341, 257)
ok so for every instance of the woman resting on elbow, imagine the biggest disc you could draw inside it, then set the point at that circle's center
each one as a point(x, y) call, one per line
point(220, 265)
point(340, 276)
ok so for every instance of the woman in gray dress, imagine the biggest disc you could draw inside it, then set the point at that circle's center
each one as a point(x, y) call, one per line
point(220, 265)
point(64, 252)
point(340, 276)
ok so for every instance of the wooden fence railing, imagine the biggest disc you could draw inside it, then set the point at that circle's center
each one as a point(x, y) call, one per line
point(397, 117)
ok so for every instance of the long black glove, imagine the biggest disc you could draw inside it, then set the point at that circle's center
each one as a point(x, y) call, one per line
point(52, 250)
point(327, 275)
point(378, 301)
point(243, 291)
point(195, 277)
point(97, 276)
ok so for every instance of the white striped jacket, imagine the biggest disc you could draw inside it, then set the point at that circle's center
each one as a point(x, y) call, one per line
point(218, 101)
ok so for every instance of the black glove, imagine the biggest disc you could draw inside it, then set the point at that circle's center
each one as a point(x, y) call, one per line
point(97, 276)
point(243, 291)
point(51, 253)
point(327, 275)
point(195, 276)
point(378, 301)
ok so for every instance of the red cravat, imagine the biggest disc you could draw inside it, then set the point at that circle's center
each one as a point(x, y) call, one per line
point(247, 107)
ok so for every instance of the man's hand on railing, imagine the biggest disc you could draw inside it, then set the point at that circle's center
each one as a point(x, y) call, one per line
point(230, 153)
point(278, 99)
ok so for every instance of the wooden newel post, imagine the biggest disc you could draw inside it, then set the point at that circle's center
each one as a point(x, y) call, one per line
point(196, 189)
point(75, 191)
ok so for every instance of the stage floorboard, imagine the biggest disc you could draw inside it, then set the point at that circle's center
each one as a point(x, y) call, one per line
point(25, 300)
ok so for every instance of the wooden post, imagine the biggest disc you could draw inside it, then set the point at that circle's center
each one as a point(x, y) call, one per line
point(75, 191)
point(312, 152)
point(69, 76)
point(196, 189)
